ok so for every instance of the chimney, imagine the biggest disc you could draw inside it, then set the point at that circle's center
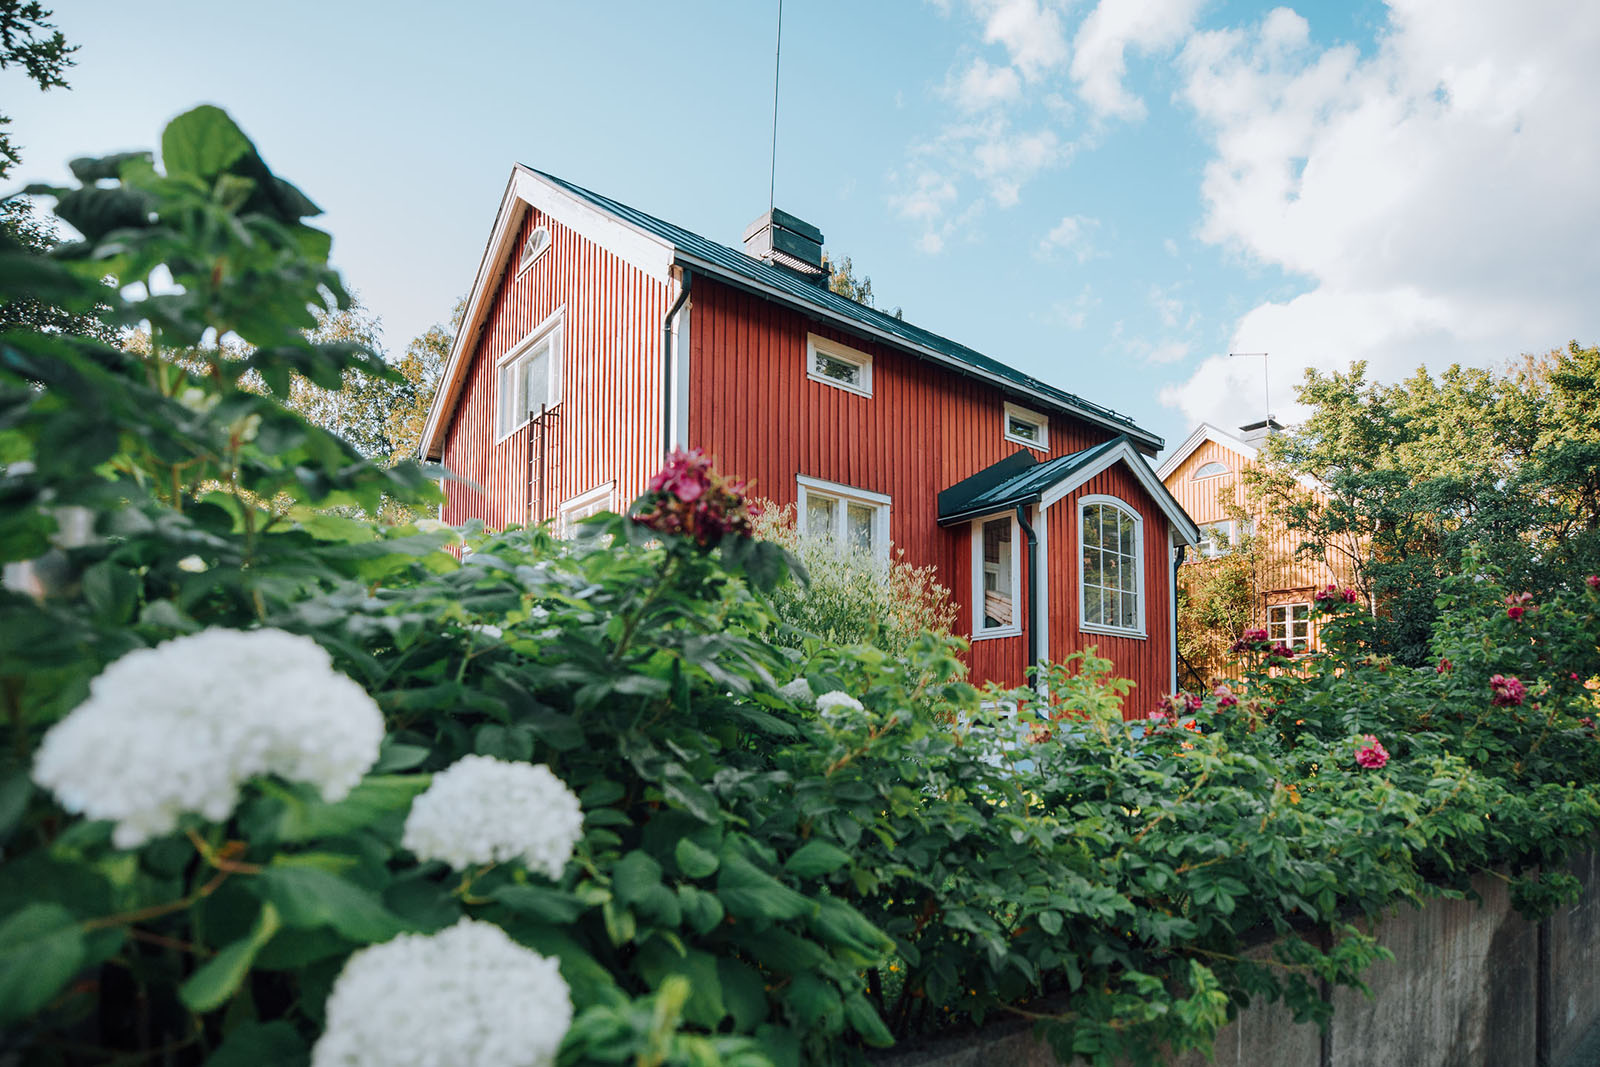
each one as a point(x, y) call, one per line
point(1254, 433)
point(779, 238)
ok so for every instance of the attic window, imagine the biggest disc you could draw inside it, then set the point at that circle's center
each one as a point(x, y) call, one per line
point(534, 247)
point(839, 365)
point(1210, 470)
point(1027, 427)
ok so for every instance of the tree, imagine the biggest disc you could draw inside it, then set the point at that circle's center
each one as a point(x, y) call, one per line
point(1505, 463)
point(843, 281)
point(30, 41)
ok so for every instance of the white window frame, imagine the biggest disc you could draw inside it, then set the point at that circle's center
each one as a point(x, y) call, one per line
point(552, 328)
point(979, 633)
point(833, 349)
point(1026, 415)
point(1202, 472)
point(1141, 583)
point(1284, 631)
point(533, 249)
point(845, 495)
point(581, 507)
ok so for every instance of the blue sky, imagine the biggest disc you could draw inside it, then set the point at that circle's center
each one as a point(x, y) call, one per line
point(1110, 195)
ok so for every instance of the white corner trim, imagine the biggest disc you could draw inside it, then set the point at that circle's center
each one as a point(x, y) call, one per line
point(1172, 614)
point(880, 502)
point(817, 343)
point(1029, 415)
point(1184, 531)
point(1141, 589)
point(1040, 583)
point(1015, 629)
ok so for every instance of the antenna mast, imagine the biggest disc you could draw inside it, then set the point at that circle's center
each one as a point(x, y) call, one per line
point(1266, 380)
point(777, 62)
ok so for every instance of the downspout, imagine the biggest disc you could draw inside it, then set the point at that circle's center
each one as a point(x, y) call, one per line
point(1172, 609)
point(667, 364)
point(1033, 593)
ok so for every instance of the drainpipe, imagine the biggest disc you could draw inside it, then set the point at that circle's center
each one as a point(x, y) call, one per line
point(667, 364)
point(1172, 610)
point(1033, 590)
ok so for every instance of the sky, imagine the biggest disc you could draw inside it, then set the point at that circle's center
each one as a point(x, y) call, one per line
point(1111, 195)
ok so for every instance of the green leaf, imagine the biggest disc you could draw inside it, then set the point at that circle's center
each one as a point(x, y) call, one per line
point(1050, 922)
point(308, 897)
point(41, 948)
point(220, 977)
point(864, 1019)
point(695, 861)
point(202, 143)
point(371, 800)
point(816, 858)
point(702, 910)
point(750, 893)
point(634, 876)
point(253, 1044)
point(743, 992)
point(552, 905)
point(657, 962)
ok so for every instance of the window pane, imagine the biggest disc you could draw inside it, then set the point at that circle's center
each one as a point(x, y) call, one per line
point(1125, 524)
point(1091, 526)
point(1302, 612)
point(838, 369)
point(1130, 611)
point(1091, 568)
point(858, 527)
point(1023, 428)
point(819, 516)
point(538, 379)
point(1108, 528)
point(998, 596)
point(1092, 612)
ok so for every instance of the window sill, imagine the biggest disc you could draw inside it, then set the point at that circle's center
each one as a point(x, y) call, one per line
point(1113, 631)
point(988, 635)
point(825, 380)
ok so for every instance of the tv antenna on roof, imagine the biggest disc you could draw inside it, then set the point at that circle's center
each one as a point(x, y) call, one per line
point(777, 63)
point(1266, 381)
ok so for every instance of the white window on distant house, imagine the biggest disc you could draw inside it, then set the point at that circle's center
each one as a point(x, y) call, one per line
point(528, 378)
point(1222, 538)
point(1290, 624)
point(533, 247)
point(996, 578)
point(581, 507)
point(839, 365)
point(1111, 581)
point(851, 518)
point(1209, 470)
point(1027, 427)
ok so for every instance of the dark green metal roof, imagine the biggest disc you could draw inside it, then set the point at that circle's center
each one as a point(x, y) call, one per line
point(699, 253)
point(1017, 479)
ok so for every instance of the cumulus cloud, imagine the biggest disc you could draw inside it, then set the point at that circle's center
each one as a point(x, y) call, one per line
point(988, 152)
point(1100, 48)
point(981, 86)
point(1436, 197)
point(1070, 235)
point(1031, 32)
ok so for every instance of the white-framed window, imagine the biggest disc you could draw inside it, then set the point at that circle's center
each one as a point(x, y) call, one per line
point(533, 247)
point(1111, 580)
point(851, 518)
point(1027, 427)
point(1290, 624)
point(1209, 470)
point(838, 365)
point(580, 507)
point(528, 378)
point(1222, 538)
point(996, 578)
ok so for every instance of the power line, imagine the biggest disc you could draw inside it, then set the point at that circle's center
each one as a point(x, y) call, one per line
point(777, 62)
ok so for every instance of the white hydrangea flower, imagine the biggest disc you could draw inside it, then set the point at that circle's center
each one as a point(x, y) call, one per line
point(192, 564)
point(796, 691)
point(485, 810)
point(178, 728)
point(831, 702)
point(467, 996)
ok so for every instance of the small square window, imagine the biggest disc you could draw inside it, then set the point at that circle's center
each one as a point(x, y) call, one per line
point(1290, 624)
point(839, 365)
point(1026, 427)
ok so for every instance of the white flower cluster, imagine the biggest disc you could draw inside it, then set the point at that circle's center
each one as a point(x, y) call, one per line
point(486, 810)
point(178, 728)
point(467, 996)
point(829, 704)
point(796, 691)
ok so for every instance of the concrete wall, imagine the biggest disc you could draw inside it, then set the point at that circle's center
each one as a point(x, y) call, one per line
point(1471, 985)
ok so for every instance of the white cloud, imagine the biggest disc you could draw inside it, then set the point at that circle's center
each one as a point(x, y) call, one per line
point(1167, 352)
point(1100, 48)
point(986, 151)
point(1437, 197)
point(1030, 31)
point(1167, 306)
point(1070, 235)
point(981, 86)
point(1074, 313)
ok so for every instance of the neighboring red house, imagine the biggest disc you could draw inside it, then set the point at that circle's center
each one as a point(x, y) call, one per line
point(597, 338)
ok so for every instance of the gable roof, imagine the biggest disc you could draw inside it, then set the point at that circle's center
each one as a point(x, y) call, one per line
point(1022, 479)
point(1203, 433)
point(653, 245)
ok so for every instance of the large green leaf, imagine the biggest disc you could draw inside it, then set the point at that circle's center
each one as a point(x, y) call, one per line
point(750, 893)
point(375, 797)
point(816, 858)
point(253, 1044)
point(695, 861)
point(41, 948)
point(202, 143)
point(220, 977)
point(634, 876)
point(308, 897)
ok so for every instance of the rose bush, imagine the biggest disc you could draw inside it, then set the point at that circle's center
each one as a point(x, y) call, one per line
point(675, 842)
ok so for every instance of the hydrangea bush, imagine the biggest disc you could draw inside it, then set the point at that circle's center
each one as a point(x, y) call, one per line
point(359, 801)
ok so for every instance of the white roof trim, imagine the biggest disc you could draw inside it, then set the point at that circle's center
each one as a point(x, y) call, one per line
point(1184, 530)
point(1203, 433)
point(648, 253)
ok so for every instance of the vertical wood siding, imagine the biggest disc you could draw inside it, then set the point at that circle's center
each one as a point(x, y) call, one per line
point(1146, 661)
point(607, 421)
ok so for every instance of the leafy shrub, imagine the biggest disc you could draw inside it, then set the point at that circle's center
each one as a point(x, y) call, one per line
point(785, 856)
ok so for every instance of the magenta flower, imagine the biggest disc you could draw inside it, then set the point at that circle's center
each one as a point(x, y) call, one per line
point(1594, 581)
point(687, 497)
point(1507, 692)
point(1282, 650)
point(1444, 665)
point(1225, 697)
point(1371, 754)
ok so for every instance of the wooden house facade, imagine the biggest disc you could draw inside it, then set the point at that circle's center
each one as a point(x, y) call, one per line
point(598, 338)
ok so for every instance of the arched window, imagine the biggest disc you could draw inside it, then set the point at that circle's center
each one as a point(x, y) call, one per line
point(1111, 580)
point(534, 247)
point(1210, 470)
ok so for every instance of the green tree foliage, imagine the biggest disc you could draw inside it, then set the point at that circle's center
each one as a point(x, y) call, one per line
point(28, 40)
point(1419, 472)
point(842, 279)
point(765, 877)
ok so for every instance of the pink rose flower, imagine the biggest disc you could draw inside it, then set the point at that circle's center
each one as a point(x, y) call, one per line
point(1225, 697)
point(1371, 754)
point(1444, 665)
point(1594, 581)
point(1507, 692)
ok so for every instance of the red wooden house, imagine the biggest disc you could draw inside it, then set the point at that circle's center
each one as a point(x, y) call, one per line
point(597, 338)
